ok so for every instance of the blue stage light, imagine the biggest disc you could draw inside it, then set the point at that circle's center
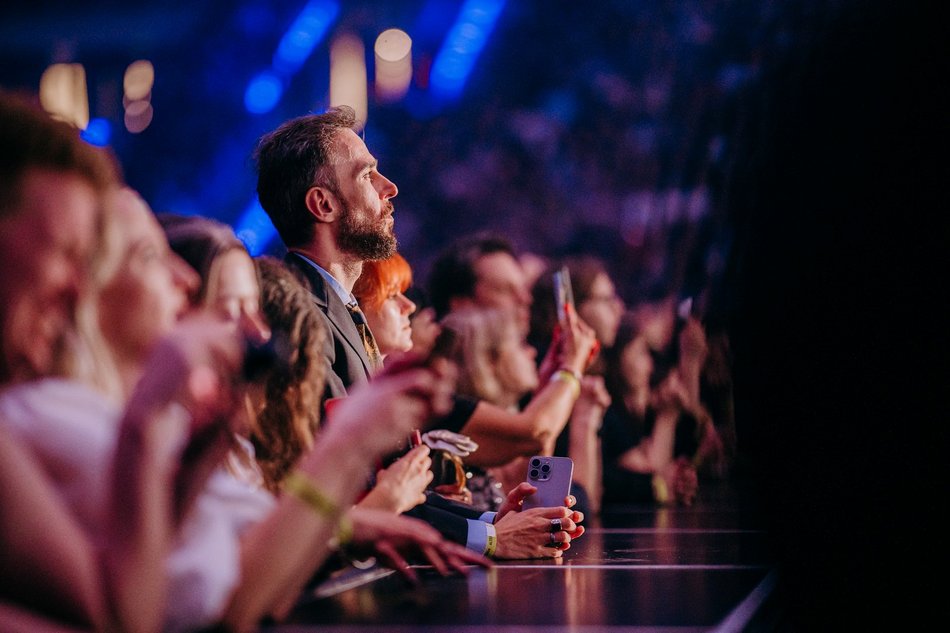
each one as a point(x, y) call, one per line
point(304, 34)
point(463, 45)
point(263, 92)
point(255, 229)
point(97, 133)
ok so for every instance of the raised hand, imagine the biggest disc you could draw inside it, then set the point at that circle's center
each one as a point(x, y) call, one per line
point(402, 485)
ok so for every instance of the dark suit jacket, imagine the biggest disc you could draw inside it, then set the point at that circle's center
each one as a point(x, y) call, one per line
point(348, 365)
point(343, 348)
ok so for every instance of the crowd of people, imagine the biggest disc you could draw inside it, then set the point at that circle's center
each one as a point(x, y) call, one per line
point(192, 436)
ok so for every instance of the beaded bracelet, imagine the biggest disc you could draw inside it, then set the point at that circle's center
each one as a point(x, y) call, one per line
point(303, 487)
point(570, 377)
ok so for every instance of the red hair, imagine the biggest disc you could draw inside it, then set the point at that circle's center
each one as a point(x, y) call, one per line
point(380, 279)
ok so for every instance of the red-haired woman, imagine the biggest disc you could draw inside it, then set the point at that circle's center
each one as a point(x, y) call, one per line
point(379, 291)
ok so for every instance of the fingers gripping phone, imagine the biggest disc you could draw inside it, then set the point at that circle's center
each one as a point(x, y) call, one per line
point(552, 477)
point(563, 293)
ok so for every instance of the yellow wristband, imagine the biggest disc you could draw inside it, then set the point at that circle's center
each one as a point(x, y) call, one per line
point(569, 377)
point(491, 542)
point(303, 487)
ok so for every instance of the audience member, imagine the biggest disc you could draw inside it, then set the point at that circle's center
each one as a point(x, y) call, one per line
point(597, 303)
point(293, 379)
point(648, 437)
point(332, 208)
point(183, 391)
point(495, 366)
point(285, 399)
point(481, 270)
point(595, 298)
point(228, 280)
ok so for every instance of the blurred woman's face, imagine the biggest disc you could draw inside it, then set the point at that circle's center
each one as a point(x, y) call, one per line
point(390, 324)
point(602, 310)
point(515, 368)
point(150, 288)
point(235, 294)
point(637, 364)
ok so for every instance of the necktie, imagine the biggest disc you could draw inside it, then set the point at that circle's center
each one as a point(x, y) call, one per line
point(369, 343)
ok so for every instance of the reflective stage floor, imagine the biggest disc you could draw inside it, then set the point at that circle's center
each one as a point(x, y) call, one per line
point(704, 568)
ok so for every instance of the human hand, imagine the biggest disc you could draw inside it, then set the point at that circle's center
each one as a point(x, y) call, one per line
point(403, 397)
point(576, 343)
point(537, 533)
point(593, 401)
point(401, 486)
point(195, 365)
point(680, 481)
point(514, 502)
point(393, 539)
point(188, 402)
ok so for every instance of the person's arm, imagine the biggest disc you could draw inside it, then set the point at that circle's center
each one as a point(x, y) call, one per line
point(502, 435)
point(171, 436)
point(402, 485)
point(584, 437)
point(281, 553)
point(46, 560)
point(693, 350)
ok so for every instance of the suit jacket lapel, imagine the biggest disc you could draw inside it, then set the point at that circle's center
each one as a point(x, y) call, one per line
point(331, 305)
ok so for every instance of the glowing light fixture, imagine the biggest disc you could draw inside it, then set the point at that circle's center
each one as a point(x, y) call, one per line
point(393, 50)
point(263, 93)
point(97, 133)
point(463, 45)
point(63, 93)
point(348, 76)
point(138, 116)
point(138, 80)
point(265, 89)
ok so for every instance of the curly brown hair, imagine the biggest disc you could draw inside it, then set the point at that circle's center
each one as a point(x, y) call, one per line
point(291, 413)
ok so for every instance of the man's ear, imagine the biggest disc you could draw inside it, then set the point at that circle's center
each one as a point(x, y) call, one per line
point(322, 204)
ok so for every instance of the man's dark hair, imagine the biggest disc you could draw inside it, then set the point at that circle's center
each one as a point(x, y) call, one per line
point(292, 159)
point(453, 272)
point(32, 140)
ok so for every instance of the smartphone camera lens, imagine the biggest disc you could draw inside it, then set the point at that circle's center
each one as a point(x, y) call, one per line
point(535, 462)
point(545, 468)
point(534, 473)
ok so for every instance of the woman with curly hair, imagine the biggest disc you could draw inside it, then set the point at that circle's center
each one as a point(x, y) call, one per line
point(286, 398)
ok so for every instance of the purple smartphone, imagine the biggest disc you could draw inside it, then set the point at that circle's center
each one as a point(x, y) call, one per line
point(552, 477)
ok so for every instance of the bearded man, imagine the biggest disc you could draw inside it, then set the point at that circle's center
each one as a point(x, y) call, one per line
point(331, 206)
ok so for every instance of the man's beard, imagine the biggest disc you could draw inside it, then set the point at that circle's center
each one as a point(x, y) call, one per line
point(370, 240)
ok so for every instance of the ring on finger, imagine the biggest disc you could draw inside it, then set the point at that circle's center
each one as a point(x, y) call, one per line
point(553, 537)
point(556, 525)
